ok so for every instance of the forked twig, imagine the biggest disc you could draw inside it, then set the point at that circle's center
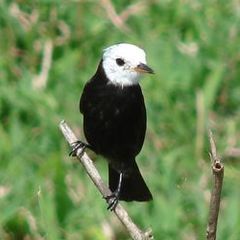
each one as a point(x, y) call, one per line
point(91, 170)
point(113, 16)
point(119, 20)
point(133, 10)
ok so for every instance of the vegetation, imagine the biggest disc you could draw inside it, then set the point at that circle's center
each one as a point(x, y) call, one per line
point(50, 48)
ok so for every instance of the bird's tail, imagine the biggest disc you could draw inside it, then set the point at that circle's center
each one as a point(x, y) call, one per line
point(133, 186)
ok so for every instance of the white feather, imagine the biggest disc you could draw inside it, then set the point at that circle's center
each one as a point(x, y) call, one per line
point(123, 75)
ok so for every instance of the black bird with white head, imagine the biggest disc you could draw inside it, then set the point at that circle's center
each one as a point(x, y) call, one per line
point(114, 121)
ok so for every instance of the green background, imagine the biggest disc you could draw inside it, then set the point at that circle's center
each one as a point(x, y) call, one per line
point(50, 48)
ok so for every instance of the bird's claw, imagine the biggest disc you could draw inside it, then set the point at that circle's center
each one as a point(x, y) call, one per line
point(76, 146)
point(112, 200)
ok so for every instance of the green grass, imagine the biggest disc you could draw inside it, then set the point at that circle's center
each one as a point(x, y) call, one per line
point(193, 46)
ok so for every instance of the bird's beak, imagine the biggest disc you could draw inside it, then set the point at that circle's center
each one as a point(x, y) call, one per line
point(143, 68)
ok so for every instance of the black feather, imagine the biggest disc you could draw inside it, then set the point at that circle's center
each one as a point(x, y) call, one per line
point(115, 126)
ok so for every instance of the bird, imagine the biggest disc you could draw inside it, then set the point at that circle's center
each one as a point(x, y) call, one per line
point(114, 119)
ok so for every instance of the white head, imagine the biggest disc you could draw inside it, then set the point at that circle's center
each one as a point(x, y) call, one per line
point(124, 63)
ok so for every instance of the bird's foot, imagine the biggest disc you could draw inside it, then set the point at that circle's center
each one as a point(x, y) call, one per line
point(76, 146)
point(112, 200)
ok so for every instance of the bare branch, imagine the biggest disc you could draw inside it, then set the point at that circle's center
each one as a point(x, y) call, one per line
point(133, 9)
point(40, 81)
point(119, 20)
point(113, 16)
point(91, 170)
point(26, 20)
point(218, 173)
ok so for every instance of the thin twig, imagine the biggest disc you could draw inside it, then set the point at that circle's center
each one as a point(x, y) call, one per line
point(218, 173)
point(113, 16)
point(133, 10)
point(119, 20)
point(40, 81)
point(91, 170)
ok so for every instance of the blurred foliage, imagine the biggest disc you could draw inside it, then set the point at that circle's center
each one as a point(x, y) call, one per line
point(50, 48)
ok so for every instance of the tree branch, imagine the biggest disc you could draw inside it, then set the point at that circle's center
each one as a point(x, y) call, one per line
point(113, 16)
point(91, 170)
point(133, 9)
point(218, 173)
point(40, 81)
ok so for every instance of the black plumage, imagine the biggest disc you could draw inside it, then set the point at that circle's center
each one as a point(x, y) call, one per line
point(115, 126)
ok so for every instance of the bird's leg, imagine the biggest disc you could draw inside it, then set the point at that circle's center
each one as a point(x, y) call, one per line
point(78, 145)
point(114, 197)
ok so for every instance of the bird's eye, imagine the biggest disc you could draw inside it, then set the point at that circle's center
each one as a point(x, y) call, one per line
point(120, 62)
